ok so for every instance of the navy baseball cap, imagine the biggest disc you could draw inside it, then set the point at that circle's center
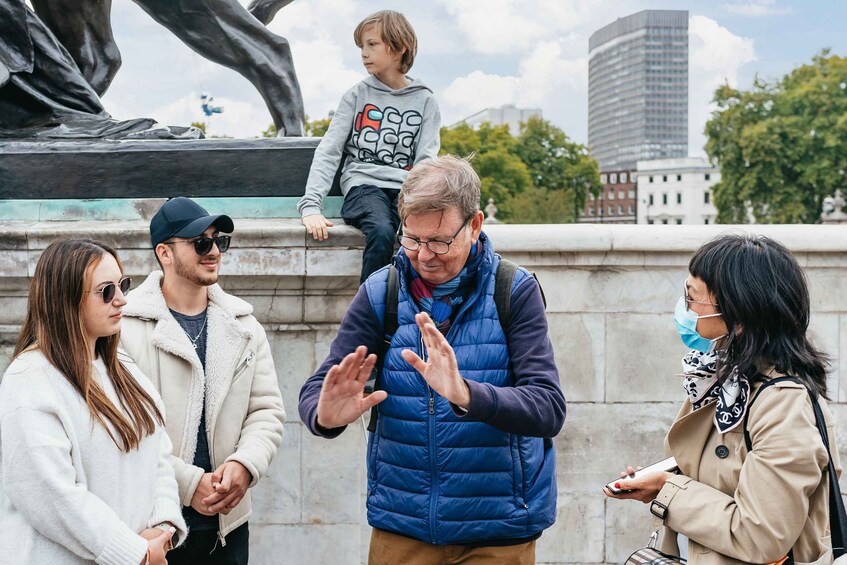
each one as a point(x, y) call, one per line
point(182, 217)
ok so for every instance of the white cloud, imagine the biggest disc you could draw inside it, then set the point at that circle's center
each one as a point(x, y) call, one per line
point(546, 71)
point(495, 26)
point(757, 8)
point(323, 75)
point(547, 80)
point(469, 94)
point(716, 56)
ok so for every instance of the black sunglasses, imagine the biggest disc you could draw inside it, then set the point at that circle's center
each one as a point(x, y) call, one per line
point(108, 291)
point(203, 245)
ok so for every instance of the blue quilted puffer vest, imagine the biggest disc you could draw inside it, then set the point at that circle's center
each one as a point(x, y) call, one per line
point(438, 477)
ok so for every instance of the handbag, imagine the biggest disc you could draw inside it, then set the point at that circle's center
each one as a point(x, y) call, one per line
point(837, 512)
point(650, 555)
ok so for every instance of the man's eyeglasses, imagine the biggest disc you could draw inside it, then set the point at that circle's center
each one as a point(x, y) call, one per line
point(434, 245)
point(108, 291)
point(689, 301)
point(203, 245)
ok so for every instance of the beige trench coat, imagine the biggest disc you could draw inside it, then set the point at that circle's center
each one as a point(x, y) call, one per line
point(751, 507)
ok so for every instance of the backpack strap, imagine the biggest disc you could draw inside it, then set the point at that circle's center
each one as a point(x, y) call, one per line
point(389, 324)
point(503, 281)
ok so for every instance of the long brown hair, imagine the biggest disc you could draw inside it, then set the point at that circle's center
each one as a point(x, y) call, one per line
point(54, 326)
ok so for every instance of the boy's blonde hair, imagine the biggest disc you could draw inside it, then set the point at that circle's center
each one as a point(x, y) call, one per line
point(396, 32)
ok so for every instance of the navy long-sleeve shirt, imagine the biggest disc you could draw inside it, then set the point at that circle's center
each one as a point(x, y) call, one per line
point(534, 406)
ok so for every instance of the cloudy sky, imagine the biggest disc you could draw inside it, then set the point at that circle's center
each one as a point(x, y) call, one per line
point(473, 54)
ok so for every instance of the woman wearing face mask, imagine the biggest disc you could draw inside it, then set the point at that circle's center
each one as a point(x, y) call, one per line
point(86, 474)
point(744, 314)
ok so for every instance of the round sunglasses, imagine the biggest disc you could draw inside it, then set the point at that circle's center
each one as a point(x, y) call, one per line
point(203, 245)
point(108, 291)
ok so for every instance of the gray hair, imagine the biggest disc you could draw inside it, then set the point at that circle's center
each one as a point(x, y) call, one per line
point(439, 184)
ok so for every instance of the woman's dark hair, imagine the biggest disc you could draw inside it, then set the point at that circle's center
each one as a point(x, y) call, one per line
point(762, 293)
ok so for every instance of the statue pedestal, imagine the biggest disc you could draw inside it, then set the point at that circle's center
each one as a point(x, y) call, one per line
point(156, 168)
point(129, 180)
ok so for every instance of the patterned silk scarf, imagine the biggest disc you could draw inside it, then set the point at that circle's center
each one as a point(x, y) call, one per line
point(702, 386)
point(442, 301)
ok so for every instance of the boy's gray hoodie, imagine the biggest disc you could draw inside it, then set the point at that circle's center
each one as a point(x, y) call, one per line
point(380, 133)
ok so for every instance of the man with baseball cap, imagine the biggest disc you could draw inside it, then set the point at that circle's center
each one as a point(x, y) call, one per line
point(210, 359)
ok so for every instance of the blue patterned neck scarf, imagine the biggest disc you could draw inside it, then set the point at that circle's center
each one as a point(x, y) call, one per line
point(442, 301)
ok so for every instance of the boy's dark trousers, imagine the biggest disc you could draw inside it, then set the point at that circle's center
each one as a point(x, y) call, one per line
point(374, 211)
point(204, 548)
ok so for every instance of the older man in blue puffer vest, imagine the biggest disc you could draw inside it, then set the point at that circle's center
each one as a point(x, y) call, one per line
point(460, 467)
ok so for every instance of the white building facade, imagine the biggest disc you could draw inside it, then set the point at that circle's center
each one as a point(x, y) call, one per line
point(676, 191)
point(508, 114)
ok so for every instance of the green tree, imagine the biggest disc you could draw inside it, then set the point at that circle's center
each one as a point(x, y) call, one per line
point(200, 125)
point(556, 164)
point(490, 149)
point(317, 128)
point(781, 146)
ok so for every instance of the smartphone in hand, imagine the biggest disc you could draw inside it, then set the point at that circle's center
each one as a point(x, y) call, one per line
point(668, 464)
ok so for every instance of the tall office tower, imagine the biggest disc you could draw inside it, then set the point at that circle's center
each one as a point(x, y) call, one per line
point(638, 89)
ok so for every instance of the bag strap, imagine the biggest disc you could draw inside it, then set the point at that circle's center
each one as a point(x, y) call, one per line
point(837, 512)
point(389, 324)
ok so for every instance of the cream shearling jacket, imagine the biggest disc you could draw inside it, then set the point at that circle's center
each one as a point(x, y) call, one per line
point(244, 411)
point(70, 495)
point(751, 507)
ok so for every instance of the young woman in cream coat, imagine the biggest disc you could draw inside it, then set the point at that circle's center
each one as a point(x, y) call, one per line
point(86, 474)
point(745, 313)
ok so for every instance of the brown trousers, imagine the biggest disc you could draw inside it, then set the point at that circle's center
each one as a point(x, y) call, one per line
point(391, 549)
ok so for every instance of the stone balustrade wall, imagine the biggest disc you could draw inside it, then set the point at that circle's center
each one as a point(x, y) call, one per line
point(610, 290)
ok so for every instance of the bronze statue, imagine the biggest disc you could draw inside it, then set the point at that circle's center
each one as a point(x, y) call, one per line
point(57, 61)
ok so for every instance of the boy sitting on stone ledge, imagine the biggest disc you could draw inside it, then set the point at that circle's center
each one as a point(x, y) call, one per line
point(382, 127)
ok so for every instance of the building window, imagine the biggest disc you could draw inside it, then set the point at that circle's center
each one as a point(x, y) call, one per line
point(603, 178)
point(633, 177)
point(650, 200)
point(665, 198)
point(591, 210)
point(708, 176)
point(631, 210)
point(678, 178)
point(632, 194)
point(664, 178)
point(650, 222)
point(611, 195)
point(650, 179)
point(707, 196)
point(591, 196)
point(679, 222)
point(611, 210)
point(623, 177)
point(665, 222)
point(620, 210)
point(621, 194)
point(679, 198)
point(707, 221)
point(613, 178)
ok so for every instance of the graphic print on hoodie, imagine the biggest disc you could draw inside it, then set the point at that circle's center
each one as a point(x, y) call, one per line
point(380, 133)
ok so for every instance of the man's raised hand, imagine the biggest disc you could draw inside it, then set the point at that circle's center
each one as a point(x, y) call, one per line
point(342, 400)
